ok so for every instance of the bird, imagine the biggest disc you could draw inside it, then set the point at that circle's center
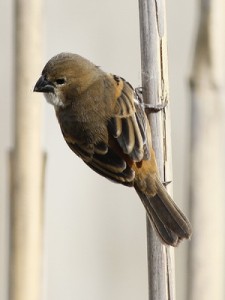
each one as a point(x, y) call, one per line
point(103, 121)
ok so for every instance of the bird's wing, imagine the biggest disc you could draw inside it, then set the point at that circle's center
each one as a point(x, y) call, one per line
point(128, 140)
point(104, 160)
point(129, 125)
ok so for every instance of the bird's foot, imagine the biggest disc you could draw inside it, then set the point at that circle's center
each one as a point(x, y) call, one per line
point(165, 183)
point(150, 108)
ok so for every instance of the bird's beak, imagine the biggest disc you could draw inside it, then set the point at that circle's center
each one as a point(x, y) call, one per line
point(43, 86)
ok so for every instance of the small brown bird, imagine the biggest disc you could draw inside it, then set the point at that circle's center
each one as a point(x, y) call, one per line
point(103, 121)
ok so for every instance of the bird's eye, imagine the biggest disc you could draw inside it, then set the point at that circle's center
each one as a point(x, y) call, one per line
point(60, 81)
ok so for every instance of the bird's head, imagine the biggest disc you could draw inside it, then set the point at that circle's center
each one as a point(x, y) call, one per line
point(65, 76)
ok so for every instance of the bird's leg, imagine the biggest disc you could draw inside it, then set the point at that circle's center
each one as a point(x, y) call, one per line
point(149, 108)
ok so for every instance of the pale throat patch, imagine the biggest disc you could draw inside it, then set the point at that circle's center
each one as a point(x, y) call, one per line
point(53, 99)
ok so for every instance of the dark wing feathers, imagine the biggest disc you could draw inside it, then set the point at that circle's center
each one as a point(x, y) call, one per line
point(128, 127)
point(129, 124)
point(105, 162)
point(101, 148)
point(115, 127)
point(110, 161)
point(142, 123)
point(125, 178)
point(127, 138)
point(113, 166)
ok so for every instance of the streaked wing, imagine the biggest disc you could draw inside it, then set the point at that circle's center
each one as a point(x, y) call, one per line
point(129, 123)
point(105, 161)
point(128, 140)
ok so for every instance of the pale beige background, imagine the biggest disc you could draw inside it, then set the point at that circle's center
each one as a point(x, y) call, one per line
point(94, 237)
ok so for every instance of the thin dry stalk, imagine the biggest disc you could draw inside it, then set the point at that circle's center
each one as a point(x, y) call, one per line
point(156, 91)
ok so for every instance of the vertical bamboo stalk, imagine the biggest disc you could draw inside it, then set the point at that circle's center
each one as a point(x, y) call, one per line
point(156, 91)
point(206, 253)
point(26, 158)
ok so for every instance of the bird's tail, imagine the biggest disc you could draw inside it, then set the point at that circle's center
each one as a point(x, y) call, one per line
point(169, 222)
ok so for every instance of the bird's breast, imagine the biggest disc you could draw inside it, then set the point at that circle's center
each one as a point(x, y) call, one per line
point(84, 132)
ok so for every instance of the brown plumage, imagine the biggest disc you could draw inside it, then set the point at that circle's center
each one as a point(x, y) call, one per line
point(103, 121)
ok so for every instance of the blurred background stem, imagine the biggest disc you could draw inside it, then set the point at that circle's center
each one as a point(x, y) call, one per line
point(26, 209)
point(206, 253)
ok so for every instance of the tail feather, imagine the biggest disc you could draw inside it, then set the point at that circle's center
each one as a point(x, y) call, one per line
point(166, 235)
point(169, 222)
